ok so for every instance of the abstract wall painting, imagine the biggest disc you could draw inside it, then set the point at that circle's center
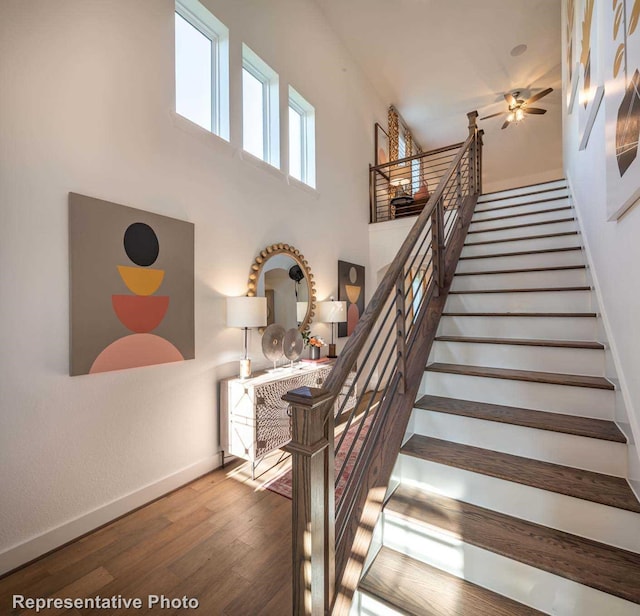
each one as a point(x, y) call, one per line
point(622, 106)
point(590, 82)
point(132, 287)
point(350, 290)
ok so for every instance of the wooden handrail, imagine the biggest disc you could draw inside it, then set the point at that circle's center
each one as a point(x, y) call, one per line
point(328, 543)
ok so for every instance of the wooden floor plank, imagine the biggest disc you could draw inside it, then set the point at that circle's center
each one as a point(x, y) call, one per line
point(564, 344)
point(604, 567)
point(586, 485)
point(232, 551)
point(421, 590)
point(552, 378)
point(541, 420)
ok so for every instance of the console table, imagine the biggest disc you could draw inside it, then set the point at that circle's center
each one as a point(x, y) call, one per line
point(258, 420)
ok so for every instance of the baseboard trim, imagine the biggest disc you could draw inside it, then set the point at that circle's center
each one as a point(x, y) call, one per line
point(32, 549)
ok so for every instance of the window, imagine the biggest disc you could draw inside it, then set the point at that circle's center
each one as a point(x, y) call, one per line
point(302, 138)
point(260, 124)
point(202, 67)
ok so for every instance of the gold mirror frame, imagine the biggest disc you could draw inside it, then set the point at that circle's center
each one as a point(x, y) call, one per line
point(298, 257)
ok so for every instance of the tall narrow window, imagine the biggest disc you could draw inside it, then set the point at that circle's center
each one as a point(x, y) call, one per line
point(260, 121)
point(202, 67)
point(302, 139)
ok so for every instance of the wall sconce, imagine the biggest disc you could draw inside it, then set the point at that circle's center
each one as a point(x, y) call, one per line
point(332, 312)
point(246, 312)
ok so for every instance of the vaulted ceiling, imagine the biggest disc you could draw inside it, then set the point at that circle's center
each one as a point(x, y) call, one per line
point(438, 59)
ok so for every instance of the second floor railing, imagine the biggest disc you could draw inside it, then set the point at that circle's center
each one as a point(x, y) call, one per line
point(342, 459)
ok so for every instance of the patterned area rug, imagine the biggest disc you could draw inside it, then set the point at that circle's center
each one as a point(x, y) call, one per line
point(282, 483)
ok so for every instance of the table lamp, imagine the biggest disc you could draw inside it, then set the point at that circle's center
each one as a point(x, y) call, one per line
point(332, 312)
point(246, 312)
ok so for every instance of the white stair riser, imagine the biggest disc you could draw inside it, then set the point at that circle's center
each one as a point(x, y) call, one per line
point(602, 523)
point(518, 244)
point(364, 604)
point(545, 259)
point(567, 449)
point(552, 328)
point(535, 217)
point(582, 401)
point(521, 233)
point(536, 301)
point(481, 212)
point(524, 280)
point(528, 192)
point(552, 594)
point(520, 357)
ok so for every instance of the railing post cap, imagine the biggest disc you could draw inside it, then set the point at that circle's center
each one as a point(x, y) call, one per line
point(308, 397)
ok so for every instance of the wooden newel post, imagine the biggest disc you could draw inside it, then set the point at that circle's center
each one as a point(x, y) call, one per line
point(313, 501)
point(473, 153)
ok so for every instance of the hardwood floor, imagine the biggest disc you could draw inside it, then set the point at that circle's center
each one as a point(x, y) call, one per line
point(221, 539)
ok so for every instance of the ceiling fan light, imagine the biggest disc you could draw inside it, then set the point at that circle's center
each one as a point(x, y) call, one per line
point(519, 115)
point(511, 117)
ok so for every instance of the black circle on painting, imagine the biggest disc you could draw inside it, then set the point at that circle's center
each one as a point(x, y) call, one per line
point(141, 244)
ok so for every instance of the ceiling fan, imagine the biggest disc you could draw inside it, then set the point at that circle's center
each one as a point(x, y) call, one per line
point(518, 107)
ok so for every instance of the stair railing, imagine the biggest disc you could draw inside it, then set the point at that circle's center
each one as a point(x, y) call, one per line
point(347, 434)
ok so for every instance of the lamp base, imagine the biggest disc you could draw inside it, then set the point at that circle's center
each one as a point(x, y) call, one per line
point(332, 351)
point(245, 368)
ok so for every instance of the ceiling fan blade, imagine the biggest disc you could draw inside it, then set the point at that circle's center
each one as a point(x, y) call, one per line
point(493, 115)
point(509, 98)
point(534, 110)
point(539, 95)
point(506, 124)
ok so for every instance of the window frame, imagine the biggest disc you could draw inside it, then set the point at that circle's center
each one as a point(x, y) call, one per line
point(270, 80)
point(200, 18)
point(306, 111)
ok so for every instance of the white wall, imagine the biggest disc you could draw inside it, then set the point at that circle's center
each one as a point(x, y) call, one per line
point(86, 106)
point(613, 252)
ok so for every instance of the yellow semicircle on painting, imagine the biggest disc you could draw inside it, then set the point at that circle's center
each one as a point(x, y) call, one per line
point(141, 281)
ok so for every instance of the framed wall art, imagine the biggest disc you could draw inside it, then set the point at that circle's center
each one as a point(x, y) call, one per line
point(132, 287)
point(350, 290)
point(622, 104)
point(381, 145)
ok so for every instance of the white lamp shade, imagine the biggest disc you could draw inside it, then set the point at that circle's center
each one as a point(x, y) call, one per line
point(332, 312)
point(301, 311)
point(246, 311)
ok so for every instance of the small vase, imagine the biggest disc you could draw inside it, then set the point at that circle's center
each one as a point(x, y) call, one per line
point(314, 352)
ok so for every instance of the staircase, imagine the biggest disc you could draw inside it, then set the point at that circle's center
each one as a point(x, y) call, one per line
point(510, 497)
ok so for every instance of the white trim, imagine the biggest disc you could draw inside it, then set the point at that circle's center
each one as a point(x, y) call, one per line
point(307, 112)
point(53, 538)
point(624, 404)
point(593, 112)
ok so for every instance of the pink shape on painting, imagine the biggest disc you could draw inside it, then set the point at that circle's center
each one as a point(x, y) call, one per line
point(134, 351)
point(353, 315)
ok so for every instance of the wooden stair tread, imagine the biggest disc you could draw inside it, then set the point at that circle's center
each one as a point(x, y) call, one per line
point(578, 483)
point(522, 238)
point(505, 216)
point(541, 420)
point(604, 567)
point(532, 202)
point(564, 344)
point(552, 378)
point(528, 224)
point(524, 270)
point(521, 252)
point(526, 290)
point(421, 590)
point(574, 315)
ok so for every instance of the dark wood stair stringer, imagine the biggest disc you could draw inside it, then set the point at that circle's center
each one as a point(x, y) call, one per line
point(541, 420)
point(609, 569)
